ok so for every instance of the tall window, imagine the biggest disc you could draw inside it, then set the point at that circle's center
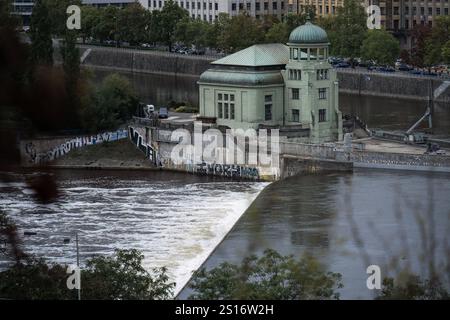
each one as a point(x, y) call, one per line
point(295, 93)
point(268, 107)
point(295, 115)
point(322, 115)
point(322, 74)
point(322, 93)
point(295, 74)
point(225, 106)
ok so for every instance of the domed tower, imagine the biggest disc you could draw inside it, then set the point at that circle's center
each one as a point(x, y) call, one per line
point(311, 85)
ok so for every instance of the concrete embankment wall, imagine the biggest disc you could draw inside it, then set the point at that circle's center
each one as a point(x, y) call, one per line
point(350, 81)
point(39, 151)
point(390, 85)
point(146, 61)
point(368, 159)
point(295, 165)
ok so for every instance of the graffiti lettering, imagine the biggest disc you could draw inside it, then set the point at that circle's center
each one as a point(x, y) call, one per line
point(225, 170)
point(74, 143)
point(138, 141)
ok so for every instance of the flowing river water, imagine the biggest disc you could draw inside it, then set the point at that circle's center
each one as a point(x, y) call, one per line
point(183, 221)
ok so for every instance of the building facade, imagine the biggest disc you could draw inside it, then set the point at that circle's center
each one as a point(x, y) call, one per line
point(24, 8)
point(209, 10)
point(321, 7)
point(276, 85)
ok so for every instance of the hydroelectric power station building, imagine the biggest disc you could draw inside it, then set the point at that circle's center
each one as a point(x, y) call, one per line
point(292, 87)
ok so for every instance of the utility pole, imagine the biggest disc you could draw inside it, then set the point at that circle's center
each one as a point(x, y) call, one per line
point(78, 264)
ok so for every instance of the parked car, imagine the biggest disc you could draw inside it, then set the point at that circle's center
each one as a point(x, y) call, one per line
point(404, 67)
point(418, 72)
point(342, 65)
point(386, 69)
point(163, 113)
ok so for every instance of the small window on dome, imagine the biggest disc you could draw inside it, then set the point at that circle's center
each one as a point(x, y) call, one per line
point(295, 54)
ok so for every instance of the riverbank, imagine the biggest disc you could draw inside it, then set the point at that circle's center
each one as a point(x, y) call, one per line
point(117, 155)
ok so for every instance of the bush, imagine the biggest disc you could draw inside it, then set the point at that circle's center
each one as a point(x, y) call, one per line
point(120, 276)
point(110, 106)
point(186, 109)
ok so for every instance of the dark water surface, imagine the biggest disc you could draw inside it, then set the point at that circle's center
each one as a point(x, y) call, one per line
point(325, 214)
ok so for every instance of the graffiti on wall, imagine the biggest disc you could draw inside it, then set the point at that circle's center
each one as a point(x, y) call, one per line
point(37, 157)
point(138, 141)
point(225, 170)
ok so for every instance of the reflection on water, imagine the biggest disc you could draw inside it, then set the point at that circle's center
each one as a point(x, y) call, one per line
point(377, 112)
point(317, 213)
point(176, 220)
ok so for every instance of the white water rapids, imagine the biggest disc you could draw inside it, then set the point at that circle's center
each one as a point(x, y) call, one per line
point(175, 223)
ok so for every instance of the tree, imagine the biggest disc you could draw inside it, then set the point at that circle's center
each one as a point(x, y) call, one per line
point(109, 107)
point(167, 20)
point(437, 38)
point(192, 32)
point(271, 276)
point(419, 35)
point(380, 46)
point(41, 35)
point(278, 33)
point(446, 52)
point(348, 30)
point(231, 38)
point(107, 24)
point(90, 18)
point(123, 277)
point(71, 66)
point(133, 22)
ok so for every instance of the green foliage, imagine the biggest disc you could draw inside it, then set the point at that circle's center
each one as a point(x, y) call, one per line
point(231, 38)
point(278, 33)
point(436, 40)
point(167, 20)
point(71, 65)
point(133, 22)
point(347, 29)
point(123, 277)
point(193, 32)
point(110, 106)
point(446, 52)
point(120, 276)
point(271, 276)
point(412, 287)
point(380, 46)
point(107, 24)
point(41, 35)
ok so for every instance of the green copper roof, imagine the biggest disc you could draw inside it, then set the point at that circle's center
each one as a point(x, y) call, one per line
point(241, 78)
point(308, 33)
point(271, 54)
